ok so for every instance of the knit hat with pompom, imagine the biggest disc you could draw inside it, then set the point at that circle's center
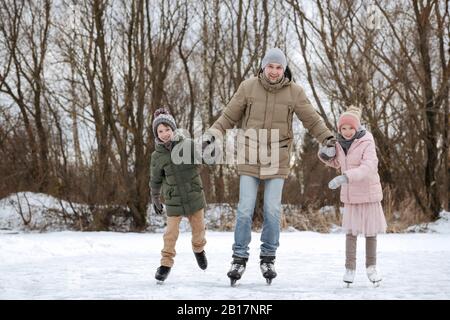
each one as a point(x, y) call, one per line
point(351, 116)
point(162, 115)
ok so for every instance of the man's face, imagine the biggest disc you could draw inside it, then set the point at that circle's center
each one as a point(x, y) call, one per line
point(274, 72)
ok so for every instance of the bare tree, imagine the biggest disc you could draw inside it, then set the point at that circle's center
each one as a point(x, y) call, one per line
point(390, 71)
point(24, 29)
point(80, 80)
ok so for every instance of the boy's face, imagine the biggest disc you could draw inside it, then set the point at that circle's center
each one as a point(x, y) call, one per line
point(347, 131)
point(165, 133)
point(273, 72)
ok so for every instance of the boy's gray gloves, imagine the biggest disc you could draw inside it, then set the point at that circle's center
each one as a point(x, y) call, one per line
point(156, 201)
point(338, 181)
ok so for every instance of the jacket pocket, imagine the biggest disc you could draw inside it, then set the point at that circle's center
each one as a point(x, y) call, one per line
point(284, 157)
point(196, 187)
point(170, 175)
point(167, 193)
point(196, 183)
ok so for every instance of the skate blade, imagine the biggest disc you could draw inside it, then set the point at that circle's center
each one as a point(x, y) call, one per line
point(347, 284)
point(234, 277)
point(269, 281)
point(160, 282)
point(376, 284)
point(233, 282)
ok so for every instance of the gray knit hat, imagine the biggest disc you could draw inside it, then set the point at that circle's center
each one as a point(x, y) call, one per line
point(162, 115)
point(274, 55)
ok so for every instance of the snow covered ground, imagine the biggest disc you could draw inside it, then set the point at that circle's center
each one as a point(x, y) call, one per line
point(63, 264)
point(107, 265)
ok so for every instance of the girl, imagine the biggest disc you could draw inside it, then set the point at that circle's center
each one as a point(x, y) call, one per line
point(361, 192)
point(182, 190)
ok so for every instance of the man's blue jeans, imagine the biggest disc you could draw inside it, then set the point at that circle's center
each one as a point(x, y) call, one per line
point(248, 189)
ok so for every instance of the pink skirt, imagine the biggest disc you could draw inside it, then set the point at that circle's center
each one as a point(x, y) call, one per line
point(364, 218)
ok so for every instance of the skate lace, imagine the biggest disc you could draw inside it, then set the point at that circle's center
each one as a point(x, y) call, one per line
point(371, 271)
point(236, 266)
point(373, 274)
point(269, 266)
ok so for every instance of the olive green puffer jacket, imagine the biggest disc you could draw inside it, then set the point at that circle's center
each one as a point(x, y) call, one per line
point(181, 184)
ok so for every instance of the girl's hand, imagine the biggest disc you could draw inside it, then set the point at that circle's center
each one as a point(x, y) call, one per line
point(338, 181)
point(327, 153)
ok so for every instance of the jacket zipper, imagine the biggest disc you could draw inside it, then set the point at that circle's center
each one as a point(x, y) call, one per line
point(348, 184)
point(265, 109)
point(248, 115)
point(289, 121)
point(346, 167)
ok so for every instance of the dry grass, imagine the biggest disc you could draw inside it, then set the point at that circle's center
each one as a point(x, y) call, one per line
point(407, 215)
point(309, 220)
point(399, 216)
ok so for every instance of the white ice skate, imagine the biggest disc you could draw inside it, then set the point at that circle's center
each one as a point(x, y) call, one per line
point(349, 276)
point(373, 276)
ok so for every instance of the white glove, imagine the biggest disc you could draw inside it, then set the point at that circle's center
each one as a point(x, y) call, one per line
point(338, 181)
point(327, 153)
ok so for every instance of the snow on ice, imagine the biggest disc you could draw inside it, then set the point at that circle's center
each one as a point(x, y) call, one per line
point(310, 265)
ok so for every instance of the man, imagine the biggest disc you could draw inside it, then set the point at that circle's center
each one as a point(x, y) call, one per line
point(267, 101)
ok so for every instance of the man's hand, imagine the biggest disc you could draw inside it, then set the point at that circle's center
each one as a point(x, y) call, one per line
point(330, 141)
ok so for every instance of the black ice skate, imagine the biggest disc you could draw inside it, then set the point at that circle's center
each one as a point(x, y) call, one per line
point(201, 259)
point(237, 269)
point(161, 274)
point(267, 266)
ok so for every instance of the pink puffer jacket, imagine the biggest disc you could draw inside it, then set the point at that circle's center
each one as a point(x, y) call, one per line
point(360, 165)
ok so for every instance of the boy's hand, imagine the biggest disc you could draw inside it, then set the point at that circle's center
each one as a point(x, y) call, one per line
point(156, 200)
point(338, 181)
point(157, 205)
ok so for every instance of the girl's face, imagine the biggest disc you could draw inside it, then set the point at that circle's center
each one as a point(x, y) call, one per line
point(165, 132)
point(347, 131)
point(274, 72)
